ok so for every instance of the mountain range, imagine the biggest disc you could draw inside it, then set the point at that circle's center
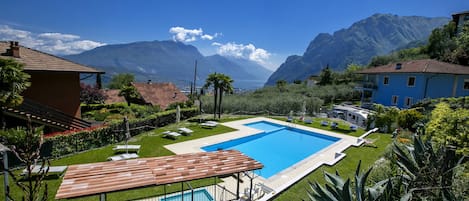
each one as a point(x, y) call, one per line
point(170, 61)
point(376, 35)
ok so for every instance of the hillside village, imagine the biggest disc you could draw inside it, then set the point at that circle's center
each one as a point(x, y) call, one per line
point(395, 128)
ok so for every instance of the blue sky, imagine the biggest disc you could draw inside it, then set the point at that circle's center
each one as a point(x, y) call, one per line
point(266, 31)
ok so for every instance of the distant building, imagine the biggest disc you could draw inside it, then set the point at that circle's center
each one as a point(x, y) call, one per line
point(460, 18)
point(404, 84)
point(53, 99)
point(112, 96)
point(312, 80)
point(162, 94)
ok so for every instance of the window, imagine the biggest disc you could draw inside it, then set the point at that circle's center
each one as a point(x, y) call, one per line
point(394, 100)
point(408, 101)
point(466, 84)
point(411, 81)
point(386, 80)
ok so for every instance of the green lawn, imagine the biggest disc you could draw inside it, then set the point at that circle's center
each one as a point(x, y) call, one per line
point(346, 167)
point(152, 145)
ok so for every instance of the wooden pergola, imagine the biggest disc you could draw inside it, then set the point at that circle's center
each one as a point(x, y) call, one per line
point(104, 177)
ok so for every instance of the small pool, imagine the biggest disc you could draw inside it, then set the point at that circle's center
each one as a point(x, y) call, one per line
point(277, 147)
point(199, 195)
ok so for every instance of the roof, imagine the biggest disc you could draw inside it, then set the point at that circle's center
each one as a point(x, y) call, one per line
point(112, 96)
point(103, 177)
point(162, 94)
point(35, 60)
point(419, 66)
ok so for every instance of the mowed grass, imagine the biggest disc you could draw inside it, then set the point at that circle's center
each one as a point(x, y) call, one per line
point(152, 146)
point(346, 167)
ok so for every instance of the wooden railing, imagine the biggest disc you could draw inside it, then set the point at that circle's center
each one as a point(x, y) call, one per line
point(46, 115)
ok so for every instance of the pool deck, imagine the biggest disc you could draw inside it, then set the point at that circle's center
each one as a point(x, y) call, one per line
point(330, 155)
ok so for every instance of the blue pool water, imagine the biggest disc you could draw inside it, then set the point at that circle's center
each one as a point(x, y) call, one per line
point(199, 195)
point(278, 147)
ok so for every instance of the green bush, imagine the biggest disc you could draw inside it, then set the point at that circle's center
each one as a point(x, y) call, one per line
point(407, 118)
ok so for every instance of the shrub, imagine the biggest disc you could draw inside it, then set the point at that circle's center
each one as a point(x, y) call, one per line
point(60, 144)
point(408, 118)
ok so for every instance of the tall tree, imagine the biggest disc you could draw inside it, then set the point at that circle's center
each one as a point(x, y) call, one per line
point(13, 81)
point(213, 81)
point(441, 42)
point(225, 85)
point(281, 85)
point(121, 80)
point(130, 93)
point(325, 76)
point(25, 144)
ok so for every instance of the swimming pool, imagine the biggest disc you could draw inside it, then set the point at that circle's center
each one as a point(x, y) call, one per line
point(277, 147)
point(199, 195)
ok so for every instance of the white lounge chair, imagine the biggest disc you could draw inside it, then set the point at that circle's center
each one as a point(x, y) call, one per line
point(308, 120)
point(212, 122)
point(185, 131)
point(123, 157)
point(209, 124)
point(132, 148)
point(171, 134)
point(324, 123)
point(353, 127)
point(57, 170)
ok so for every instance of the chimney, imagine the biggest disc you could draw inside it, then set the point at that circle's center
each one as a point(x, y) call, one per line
point(398, 66)
point(14, 49)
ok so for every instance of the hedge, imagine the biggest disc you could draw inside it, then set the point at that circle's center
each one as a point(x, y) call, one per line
point(61, 145)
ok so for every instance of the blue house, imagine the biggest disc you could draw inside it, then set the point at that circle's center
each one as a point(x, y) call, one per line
point(404, 84)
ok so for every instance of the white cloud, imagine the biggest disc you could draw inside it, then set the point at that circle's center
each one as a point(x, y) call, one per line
point(182, 34)
point(59, 36)
point(54, 43)
point(248, 51)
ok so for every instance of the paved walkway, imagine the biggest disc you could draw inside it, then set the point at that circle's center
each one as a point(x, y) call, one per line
point(285, 178)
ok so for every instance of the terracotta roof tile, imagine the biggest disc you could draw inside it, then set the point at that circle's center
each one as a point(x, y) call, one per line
point(162, 94)
point(419, 66)
point(39, 61)
point(112, 96)
point(96, 178)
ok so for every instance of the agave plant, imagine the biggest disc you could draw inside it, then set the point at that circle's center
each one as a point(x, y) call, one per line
point(340, 189)
point(426, 173)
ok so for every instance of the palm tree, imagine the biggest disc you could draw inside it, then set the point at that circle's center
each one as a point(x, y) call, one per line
point(13, 81)
point(213, 81)
point(225, 85)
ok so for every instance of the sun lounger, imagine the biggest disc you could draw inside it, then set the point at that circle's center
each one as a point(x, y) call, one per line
point(132, 148)
point(212, 122)
point(57, 170)
point(308, 120)
point(353, 127)
point(289, 119)
point(123, 157)
point(334, 125)
point(171, 134)
point(209, 124)
point(324, 123)
point(185, 131)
